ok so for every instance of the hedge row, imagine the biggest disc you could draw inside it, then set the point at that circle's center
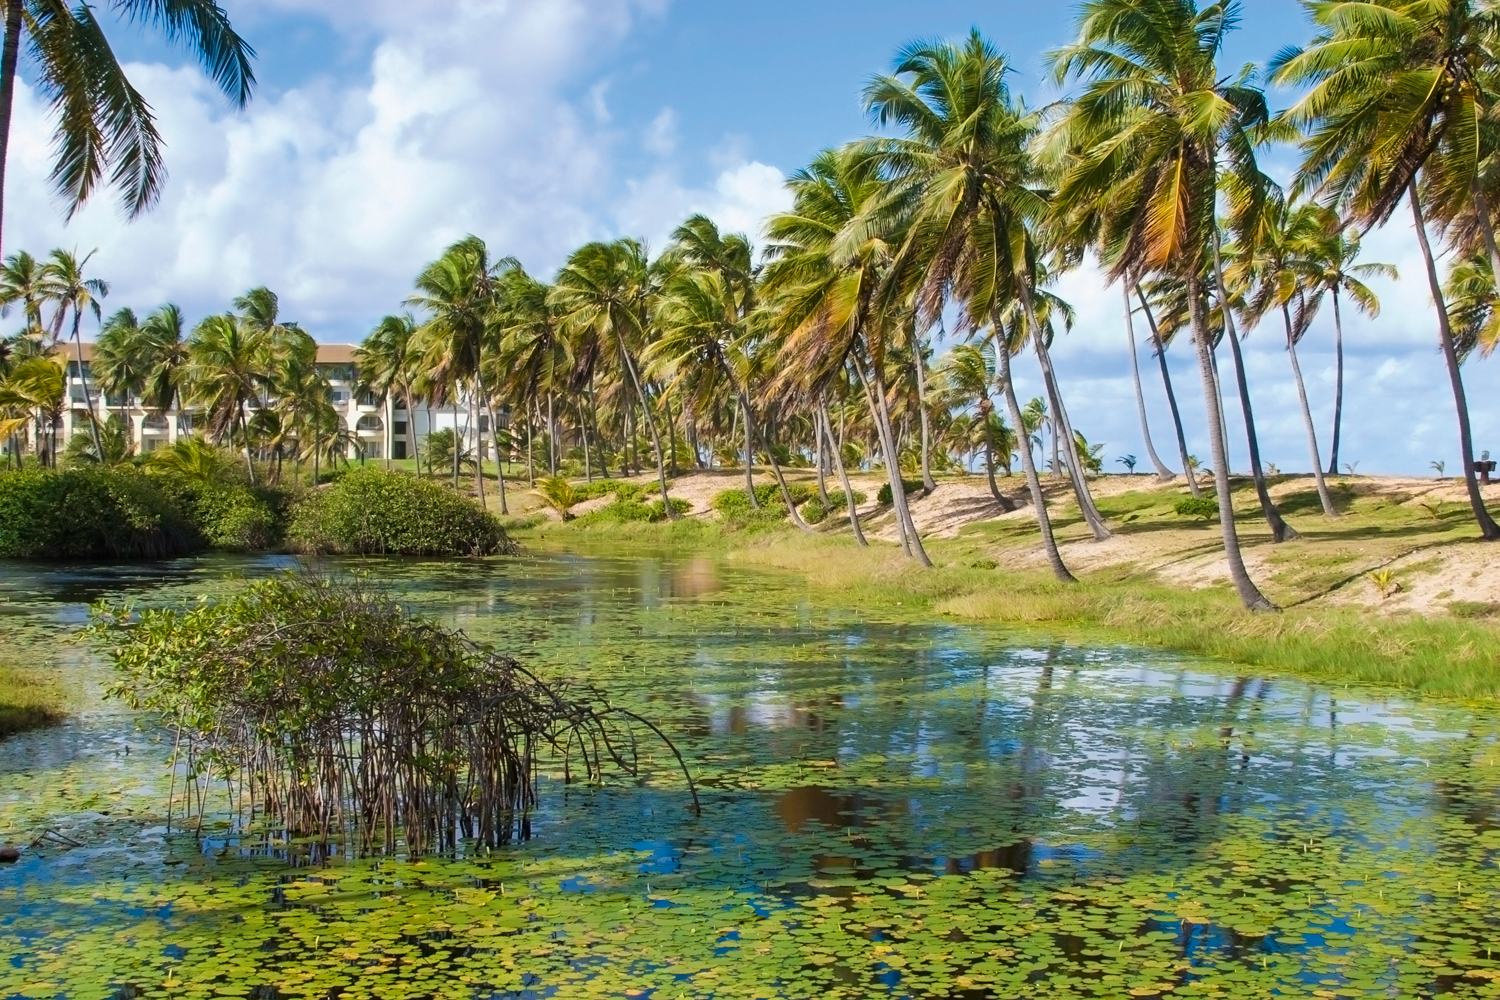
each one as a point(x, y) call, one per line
point(98, 513)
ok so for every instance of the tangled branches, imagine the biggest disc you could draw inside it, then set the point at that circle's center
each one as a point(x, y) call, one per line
point(342, 717)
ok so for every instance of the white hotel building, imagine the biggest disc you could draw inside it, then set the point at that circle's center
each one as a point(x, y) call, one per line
point(379, 426)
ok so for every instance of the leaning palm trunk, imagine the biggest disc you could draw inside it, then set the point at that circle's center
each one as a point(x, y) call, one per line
point(1338, 384)
point(820, 453)
point(906, 528)
point(749, 454)
point(1163, 474)
point(1487, 526)
point(661, 466)
point(474, 408)
point(1307, 420)
point(1005, 502)
point(1280, 530)
point(1166, 381)
point(583, 431)
point(88, 400)
point(1061, 425)
point(1249, 594)
point(916, 350)
point(1033, 481)
point(843, 474)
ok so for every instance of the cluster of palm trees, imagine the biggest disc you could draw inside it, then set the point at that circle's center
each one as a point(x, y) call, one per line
point(952, 225)
point(246, 378)
point(962, 215)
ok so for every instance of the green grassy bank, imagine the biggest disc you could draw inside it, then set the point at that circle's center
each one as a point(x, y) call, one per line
point(1435, 656)
point(28, 699)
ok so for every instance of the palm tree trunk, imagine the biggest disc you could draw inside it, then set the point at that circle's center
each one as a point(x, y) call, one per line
point(454, 439)
point(474, 408)
point(1307, 420)
point(666, 401)
point(1338, 384)
point(245, 439)
point(1005, 502)
point(551, 438)
point(820, 455)
point(1163, 474)
point(1033, 481)
point(1061, 422)
point(1280, 530)
point(530, 452)
point(9, 57)
point(88, 399)
point(826, 426)
point(1166, 381)
point(489, 405)
point(411, 430)
point(907, 528)
point(916, 352)
point(583, 430)
point(1487, 526)
point(749, 453)
point(661, 465)
point(1250, 595)
point(786, 495)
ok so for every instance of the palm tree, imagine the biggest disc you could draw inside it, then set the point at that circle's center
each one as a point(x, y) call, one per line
point(1473, 305)
point(1330, 258)
point(457, 292)
point(192, 458)
point(34, 390)
point(829, 257)
point(531, 357)
point(105, 129)
point(23, 282)
point(1150, 125)
point(963, 377)
point(1159, 348)
point(228, 372)
point(142, 359)
point(1270, 266)
point(66, 287)
point(602, 296)
point(1163, 474)
point(1398, 91)
point(979, 203)
point(385, 362)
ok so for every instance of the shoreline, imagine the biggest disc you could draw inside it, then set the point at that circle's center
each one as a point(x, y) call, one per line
point(1330, 630)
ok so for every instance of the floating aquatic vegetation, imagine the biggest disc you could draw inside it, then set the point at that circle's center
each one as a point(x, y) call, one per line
point(346, 718)
point(905, 810)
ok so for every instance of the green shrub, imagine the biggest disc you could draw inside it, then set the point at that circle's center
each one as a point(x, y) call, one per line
point(736, 503)
point(374, 512)
point(813, 512)
point(90, 513)
point(229, 516)
point(603, 488)
point(1203, 508)
point(909, 486)
point(623, 511)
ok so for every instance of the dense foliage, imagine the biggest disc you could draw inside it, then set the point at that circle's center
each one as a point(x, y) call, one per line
point(1204, 508)
point(91, 513)
point(374, 512)
point(909, 486)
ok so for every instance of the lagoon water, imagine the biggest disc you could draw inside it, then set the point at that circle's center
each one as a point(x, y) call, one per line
point(899, 808)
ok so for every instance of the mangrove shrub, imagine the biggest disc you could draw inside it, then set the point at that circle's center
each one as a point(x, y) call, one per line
point(90, 513)
point(348, 719)
point(374, 512)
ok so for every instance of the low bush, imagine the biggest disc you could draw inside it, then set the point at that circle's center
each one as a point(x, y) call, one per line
point(90, 513)
point(909, 486)
point(1203, 508)
point(814, 512)
point(604, 487)
point(736, 503)
point(374, 512)
point(626, 511)
point(231, 517)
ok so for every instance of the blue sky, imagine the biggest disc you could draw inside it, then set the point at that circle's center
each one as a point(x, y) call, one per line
point(384, 129)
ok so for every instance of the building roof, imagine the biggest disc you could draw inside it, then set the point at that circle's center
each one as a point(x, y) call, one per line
point(328, 354)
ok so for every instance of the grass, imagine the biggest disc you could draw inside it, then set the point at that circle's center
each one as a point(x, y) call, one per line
point(979, 577)
point(28, 699)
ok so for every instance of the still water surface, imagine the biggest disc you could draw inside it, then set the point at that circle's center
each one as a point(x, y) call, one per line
point(891, 808)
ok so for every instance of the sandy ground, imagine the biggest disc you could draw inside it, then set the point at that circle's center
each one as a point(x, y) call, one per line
point(1415, 527)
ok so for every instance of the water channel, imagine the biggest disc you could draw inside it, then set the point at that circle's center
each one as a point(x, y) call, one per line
point(894, 808)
